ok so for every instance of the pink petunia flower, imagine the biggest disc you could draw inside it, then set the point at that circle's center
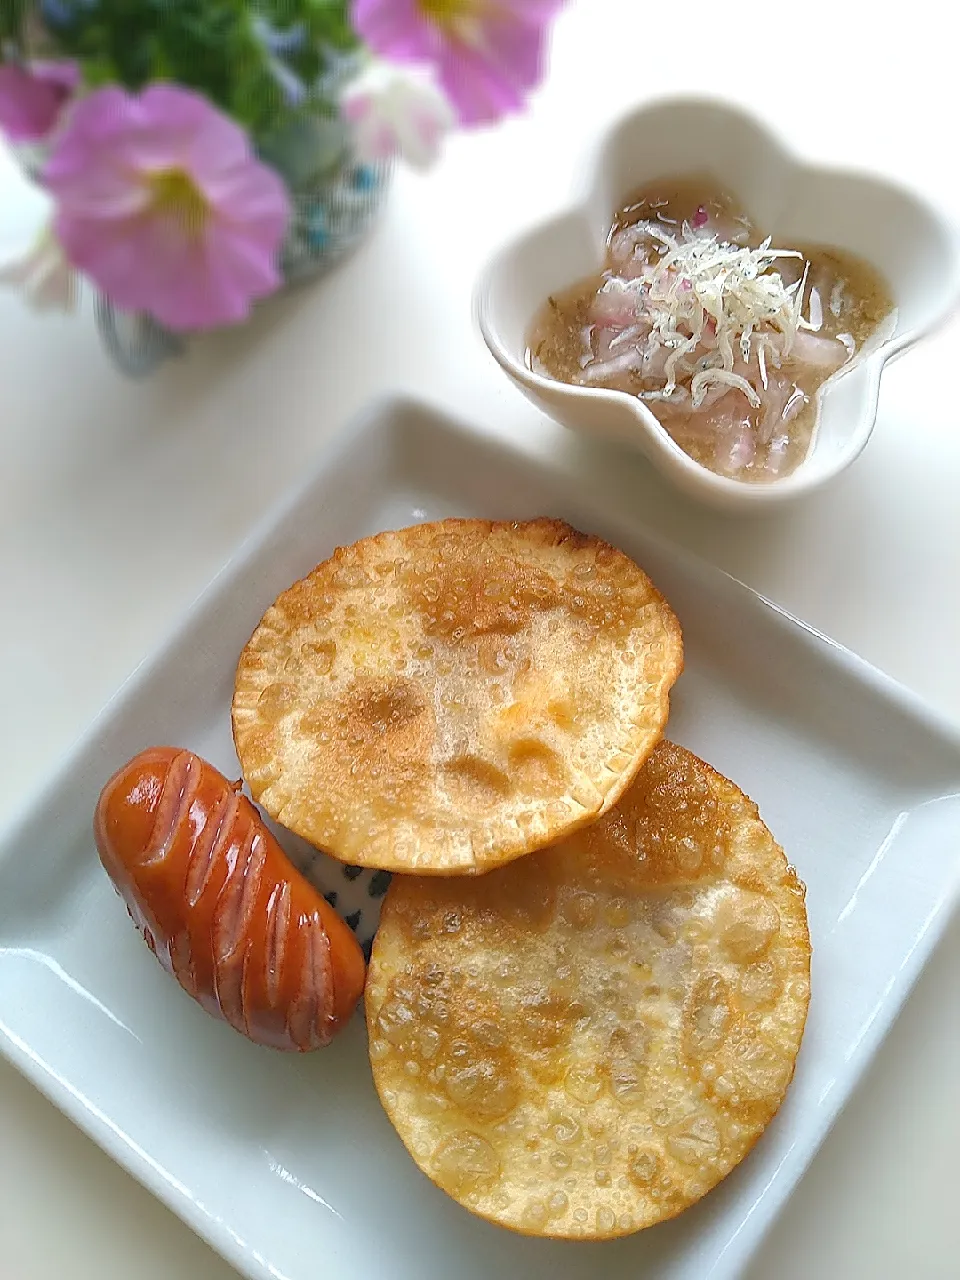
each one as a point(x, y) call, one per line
point(163, 205)
point(394, 111)
point(489, 54)
point(33, 96)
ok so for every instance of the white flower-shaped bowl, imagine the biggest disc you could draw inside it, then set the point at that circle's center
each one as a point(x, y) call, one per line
point(915, 247)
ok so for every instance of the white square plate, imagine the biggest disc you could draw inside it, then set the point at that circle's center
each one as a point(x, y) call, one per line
point(287, 1165)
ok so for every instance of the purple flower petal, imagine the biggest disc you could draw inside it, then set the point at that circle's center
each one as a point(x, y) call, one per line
point(63, 76)
point(161, 202)
point(210, 299)
point(212, 141)
point(539, 11)
point(233, 263)
point(489, 82)
point(122, 260)
point(226, 276)
point(397, 29)
point(516, 47)
point(100, 188)
point(255, 196)
point(190, 303)
point(489, 53)
point(479, 94)
point(32, 98)
point(95, 126)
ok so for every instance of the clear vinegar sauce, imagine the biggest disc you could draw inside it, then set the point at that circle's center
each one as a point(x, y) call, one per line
point(741, 397)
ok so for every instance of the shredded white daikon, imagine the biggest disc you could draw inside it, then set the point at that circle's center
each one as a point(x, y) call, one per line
point(710, 377)
point(706, 294)
point(815, 322)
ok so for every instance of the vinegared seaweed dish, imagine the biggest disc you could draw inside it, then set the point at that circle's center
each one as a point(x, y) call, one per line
point(727, 336)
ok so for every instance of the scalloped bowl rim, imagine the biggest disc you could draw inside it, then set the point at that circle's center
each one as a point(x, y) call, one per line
point(872, 364)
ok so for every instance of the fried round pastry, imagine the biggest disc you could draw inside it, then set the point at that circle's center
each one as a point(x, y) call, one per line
point(585, 1042)
point(448, 697)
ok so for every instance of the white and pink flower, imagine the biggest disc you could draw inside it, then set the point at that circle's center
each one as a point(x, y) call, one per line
point(43, 274)
point(394, 111)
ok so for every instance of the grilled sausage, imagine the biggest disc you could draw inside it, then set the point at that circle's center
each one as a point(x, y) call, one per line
point(220, 905)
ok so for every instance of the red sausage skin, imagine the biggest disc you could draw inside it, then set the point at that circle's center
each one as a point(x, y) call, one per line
point(221, 906)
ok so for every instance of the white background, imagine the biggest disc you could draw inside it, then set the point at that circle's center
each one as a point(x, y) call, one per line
point(118, 502)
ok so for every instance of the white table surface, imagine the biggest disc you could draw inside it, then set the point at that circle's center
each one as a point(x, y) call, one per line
point(118, 502)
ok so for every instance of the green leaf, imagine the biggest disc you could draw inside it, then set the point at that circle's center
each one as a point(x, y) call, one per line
point(13, 14)
point(214, 46)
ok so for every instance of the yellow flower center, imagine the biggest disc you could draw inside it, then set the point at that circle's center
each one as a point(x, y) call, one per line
point(460, 20)
point(445, 10)
point(176, 195)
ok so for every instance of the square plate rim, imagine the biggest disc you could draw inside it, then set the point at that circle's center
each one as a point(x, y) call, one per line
point(389, 417)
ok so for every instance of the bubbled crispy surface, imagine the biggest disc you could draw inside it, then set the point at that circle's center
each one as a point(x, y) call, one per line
point(451, 696)
point(585, 1042)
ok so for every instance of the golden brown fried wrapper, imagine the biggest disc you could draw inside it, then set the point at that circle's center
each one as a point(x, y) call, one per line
point(448, 697)
point(585, 1042)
